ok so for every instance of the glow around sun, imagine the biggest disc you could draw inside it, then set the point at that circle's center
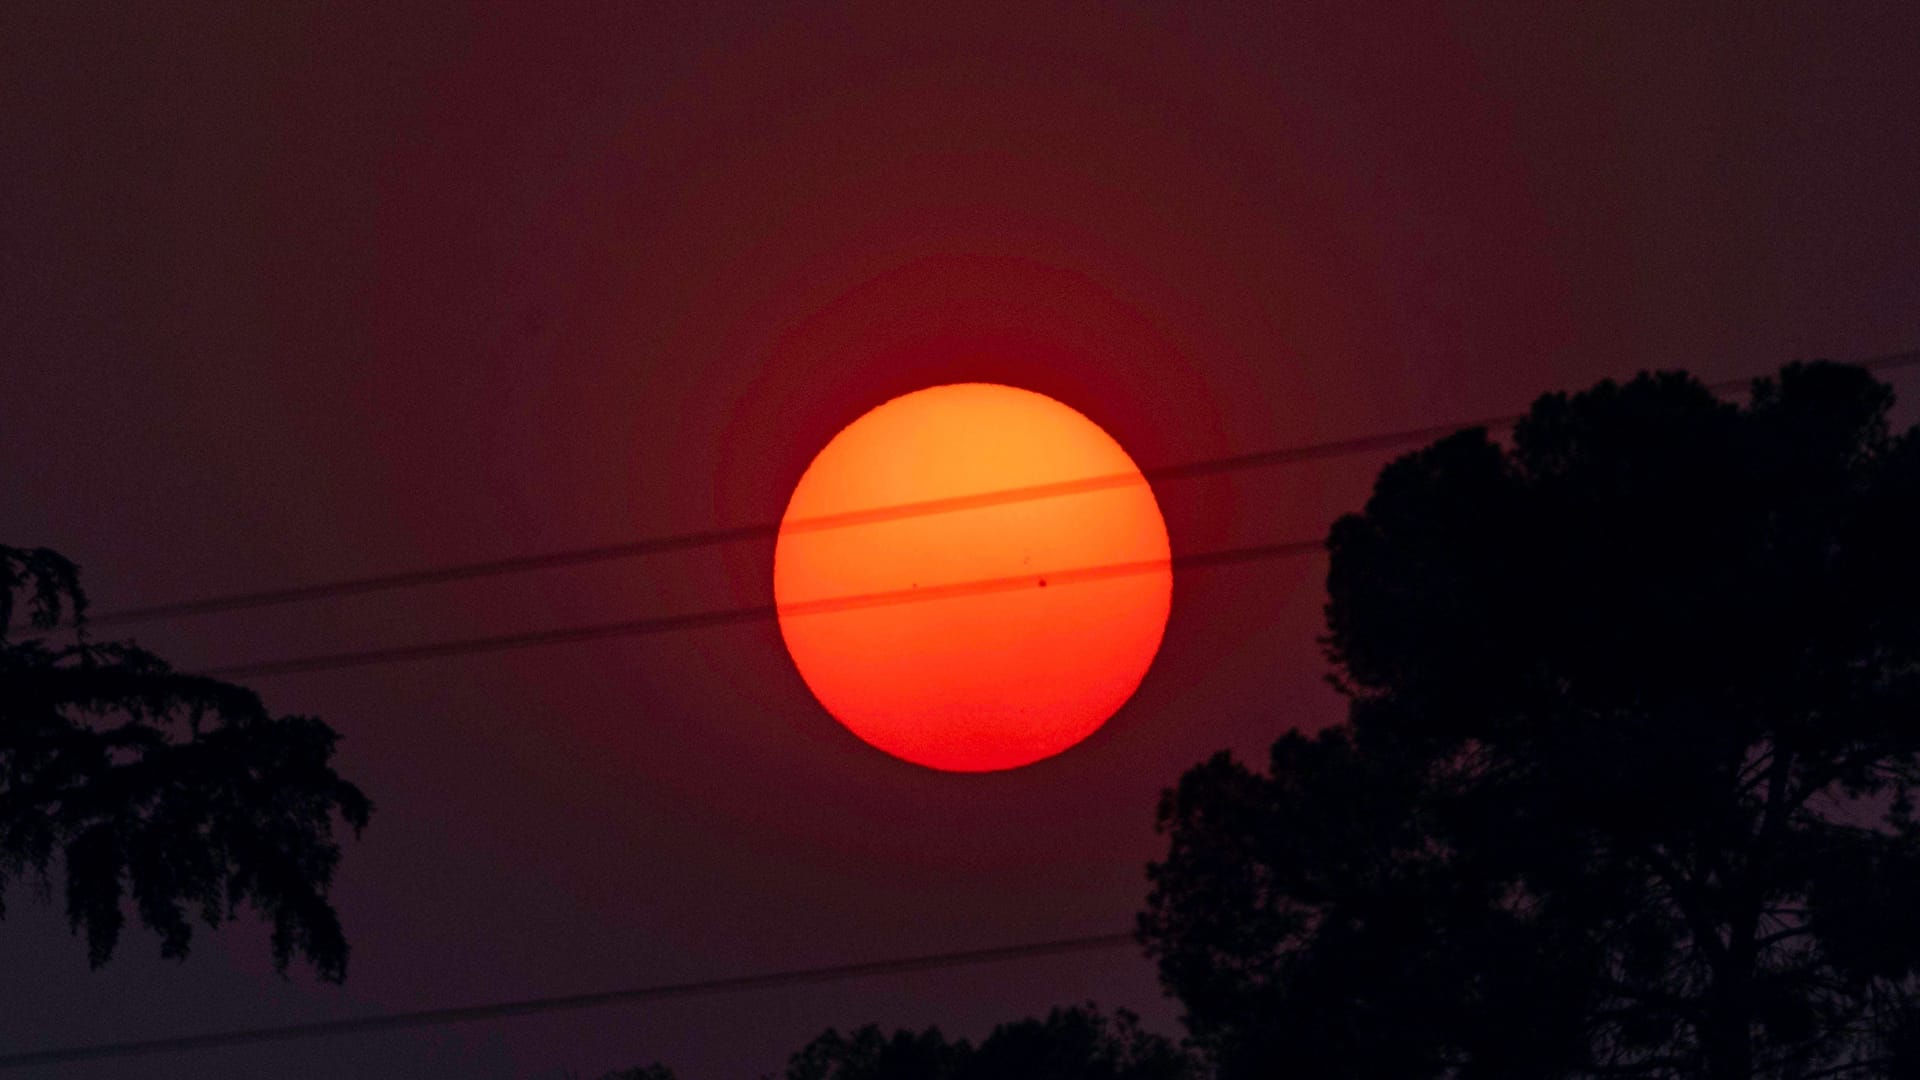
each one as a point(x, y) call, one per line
point(998, 626)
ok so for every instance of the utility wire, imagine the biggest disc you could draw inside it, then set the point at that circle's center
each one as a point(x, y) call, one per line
point(696, 620)
point(439, 575)
point(767, 530)
point(529, 1006)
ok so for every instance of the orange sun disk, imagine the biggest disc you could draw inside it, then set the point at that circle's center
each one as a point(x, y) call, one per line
point(976, 661)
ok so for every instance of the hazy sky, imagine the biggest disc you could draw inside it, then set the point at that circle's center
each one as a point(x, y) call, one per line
point(291, 292)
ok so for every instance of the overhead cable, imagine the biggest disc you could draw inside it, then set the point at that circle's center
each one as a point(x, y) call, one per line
point(566, 1002)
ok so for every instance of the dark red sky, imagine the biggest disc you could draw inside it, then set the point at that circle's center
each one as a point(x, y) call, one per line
point(290, 293)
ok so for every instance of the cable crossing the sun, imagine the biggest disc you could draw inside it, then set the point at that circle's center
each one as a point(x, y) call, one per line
point(580, 556)
point(767, 530)
point(1065, 577)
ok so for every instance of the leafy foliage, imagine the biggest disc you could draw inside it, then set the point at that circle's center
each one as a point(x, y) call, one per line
point(1626, 783)
point(1077, 1043)
point(174, 795)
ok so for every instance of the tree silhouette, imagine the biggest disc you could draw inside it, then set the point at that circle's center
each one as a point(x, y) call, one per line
point(1078, 1043)
point(870, 1054)
point(176, 795)
point(1626, 783)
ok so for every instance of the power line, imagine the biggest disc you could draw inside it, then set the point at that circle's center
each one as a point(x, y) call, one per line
point(696, 620)
point(767, 530)
point(439, 575)
point(529, 1006)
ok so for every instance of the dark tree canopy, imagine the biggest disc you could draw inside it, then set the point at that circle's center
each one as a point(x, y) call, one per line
point(174, 796)
point(640, 1072)
point(1078, 1043)
point(1626, 782)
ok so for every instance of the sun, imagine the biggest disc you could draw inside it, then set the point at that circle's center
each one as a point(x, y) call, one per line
point(972, 577)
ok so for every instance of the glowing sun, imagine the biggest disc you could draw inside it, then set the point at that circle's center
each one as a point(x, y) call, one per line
point(972, 577)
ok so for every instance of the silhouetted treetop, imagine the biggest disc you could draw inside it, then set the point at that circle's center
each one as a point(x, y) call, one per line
point(639, 1072)
point(1078, 1043)
point(1626, 782)
point(868, 1053)
point(175, 796)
